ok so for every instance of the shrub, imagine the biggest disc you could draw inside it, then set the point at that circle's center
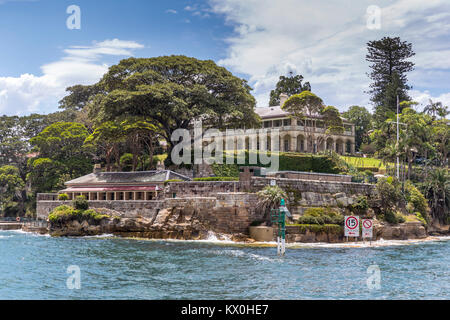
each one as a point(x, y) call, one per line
point(92, 215)
point(61, 213)
point(290, 161)
point(421, 218)
point(67, 213)
point(360, 205)
point(80, 203)
point(416, 200)
point(126, 162)
point(389, 193)
point(172, 180)
point(63, 197)
point(389, 216)
point(321, 216)
point(400, 217)
point(217, 179)
point(225, 170)
point(394, 217)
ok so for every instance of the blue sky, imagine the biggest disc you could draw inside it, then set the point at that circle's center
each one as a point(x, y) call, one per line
point(258, 40)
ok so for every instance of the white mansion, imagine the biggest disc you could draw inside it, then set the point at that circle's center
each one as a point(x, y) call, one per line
point(294, 137)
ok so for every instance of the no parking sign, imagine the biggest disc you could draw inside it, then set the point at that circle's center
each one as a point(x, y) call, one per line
point(367, 228)
point(351, 226)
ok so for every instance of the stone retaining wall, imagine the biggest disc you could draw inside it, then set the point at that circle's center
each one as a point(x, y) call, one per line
point(225, 213)
point(311, 176)
point(349, 188)
point(129, 209)
point(201, 188)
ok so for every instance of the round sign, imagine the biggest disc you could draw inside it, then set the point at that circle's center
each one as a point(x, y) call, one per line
point(351, 223)
point(367, 224)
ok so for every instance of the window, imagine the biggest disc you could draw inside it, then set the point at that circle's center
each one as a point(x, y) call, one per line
point(267, 124)
point(286, 122)
point(277, 123)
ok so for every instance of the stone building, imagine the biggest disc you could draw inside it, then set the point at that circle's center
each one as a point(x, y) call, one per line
point(294, 137)
point(140, 185)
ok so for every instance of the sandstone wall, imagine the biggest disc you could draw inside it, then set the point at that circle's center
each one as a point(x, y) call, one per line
point(129, 209)
point(349, 188)
point(200, 188)
point(225, 213)
point(311, 176)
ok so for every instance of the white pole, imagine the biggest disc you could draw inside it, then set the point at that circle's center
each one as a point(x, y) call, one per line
point(283, 246)
point(398, 161)
point(278, 246)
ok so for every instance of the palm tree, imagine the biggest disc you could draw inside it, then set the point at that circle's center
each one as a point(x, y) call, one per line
point(433, 108)
point(437, 191)
point(270, 198)
point(443, 112)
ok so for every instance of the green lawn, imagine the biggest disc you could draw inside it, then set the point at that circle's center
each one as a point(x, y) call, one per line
point(364, 162)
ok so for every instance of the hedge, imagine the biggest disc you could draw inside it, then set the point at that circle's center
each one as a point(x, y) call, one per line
point(287, 162)
point(217, 179)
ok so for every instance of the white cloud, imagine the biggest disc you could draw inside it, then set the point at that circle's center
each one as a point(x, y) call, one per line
point(423, 98)
point(81, 65)
point(325, 41)
point(171, 11)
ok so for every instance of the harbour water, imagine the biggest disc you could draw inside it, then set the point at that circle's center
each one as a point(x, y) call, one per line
point(35, 267)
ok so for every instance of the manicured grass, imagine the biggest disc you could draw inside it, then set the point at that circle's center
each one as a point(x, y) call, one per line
point(360, 162)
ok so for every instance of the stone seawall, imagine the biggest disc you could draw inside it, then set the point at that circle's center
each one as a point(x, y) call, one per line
point(225, 213)
point(129, 209)
point(174, 218)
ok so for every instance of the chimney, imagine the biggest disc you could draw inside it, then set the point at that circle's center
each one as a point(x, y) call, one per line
point(97, 168)
point(283, 98)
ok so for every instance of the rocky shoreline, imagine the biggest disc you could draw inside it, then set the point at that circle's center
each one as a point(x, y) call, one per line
point(187, 225)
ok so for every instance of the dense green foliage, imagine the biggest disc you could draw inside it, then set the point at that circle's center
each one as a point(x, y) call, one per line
point(66, 213)
point(170, 91)
point(362, 119)
point(11, 185)
point(270, 198)
point(288, 161)
point(322, 215)
point(437, 190)
point(63, 197)
point(80, 203)
point(360, 206)
point(289, 85)
point(389, 58)
point(61, 156)
point(225, 170)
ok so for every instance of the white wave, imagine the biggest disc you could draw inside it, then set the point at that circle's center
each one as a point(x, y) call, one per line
point(368, 244)
point(104, 235)
point(30, 233)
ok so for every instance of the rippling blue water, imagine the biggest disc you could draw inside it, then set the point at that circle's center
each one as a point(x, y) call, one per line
point(34, 267)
